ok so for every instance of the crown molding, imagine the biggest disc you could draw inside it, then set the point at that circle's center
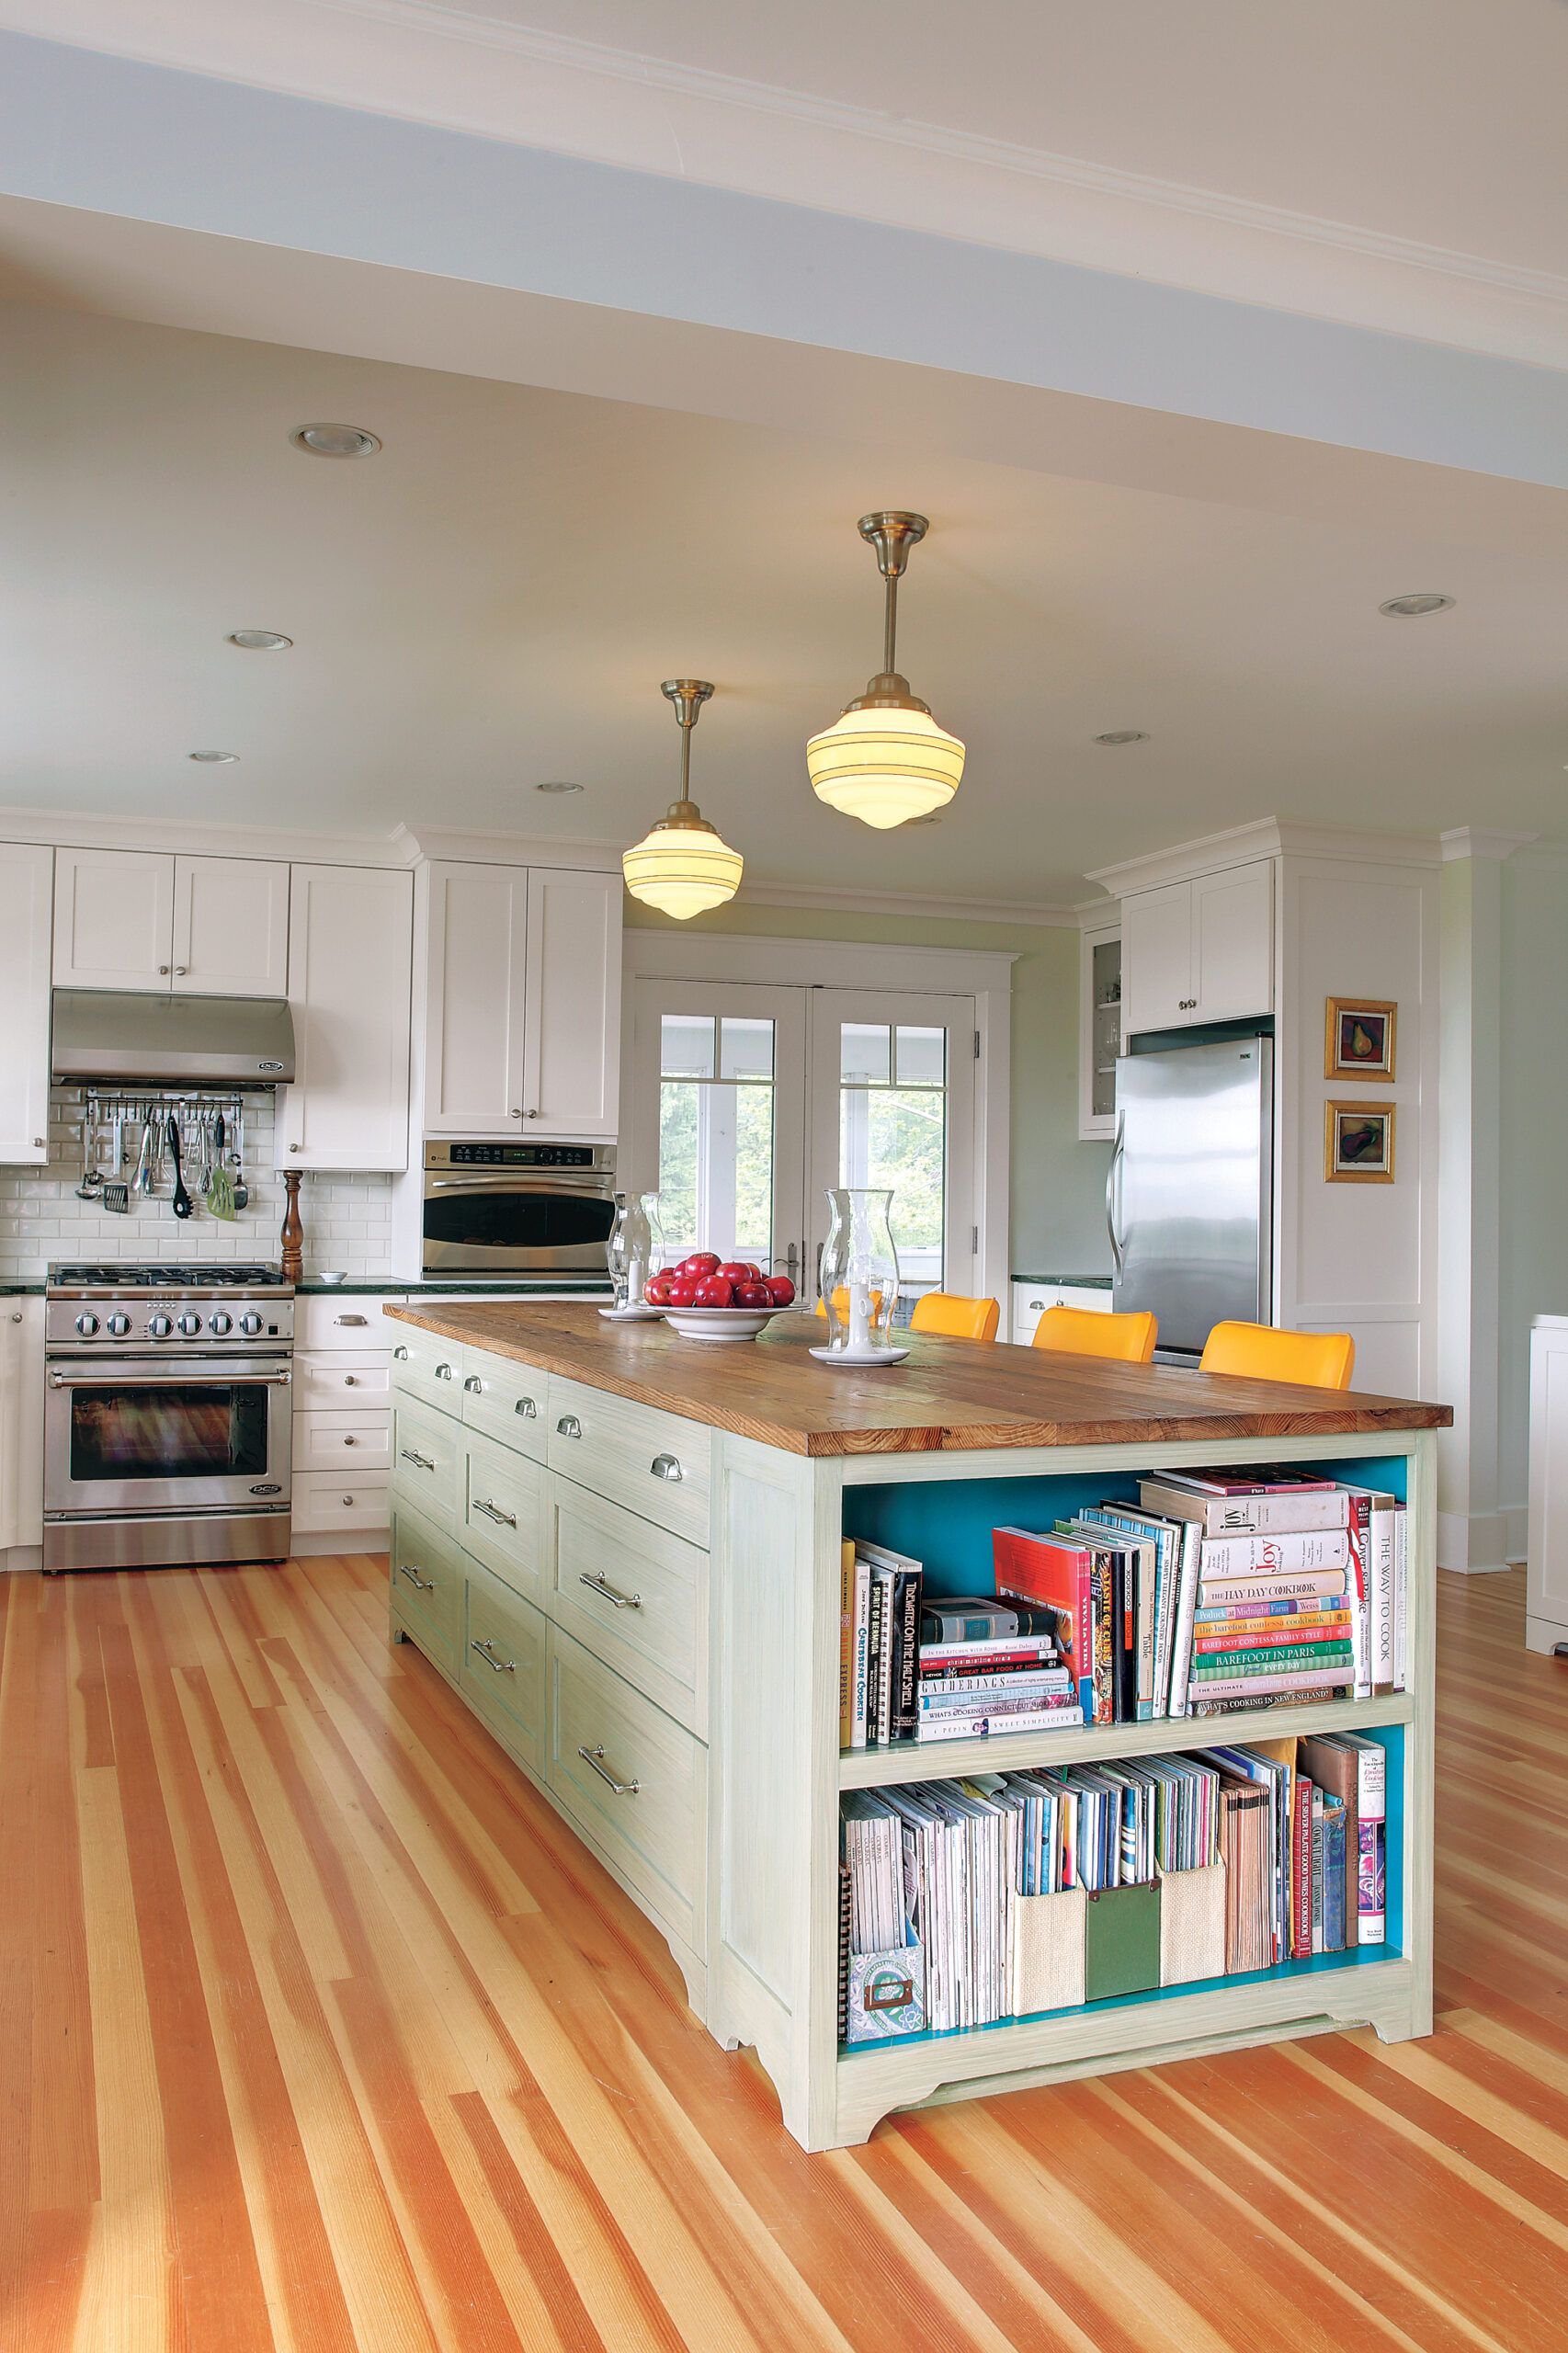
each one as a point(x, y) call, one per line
point(1264, 837)
point(470, 845)
point(884, 902)
point(1483, 841)
point(80, 829)
point(459, 70)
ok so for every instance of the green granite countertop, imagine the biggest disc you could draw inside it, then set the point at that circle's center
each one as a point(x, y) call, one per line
point(1068, 1282)
point(466, 1287)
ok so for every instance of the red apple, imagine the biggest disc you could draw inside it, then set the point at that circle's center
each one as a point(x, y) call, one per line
point(781, 1290)
point(700, 1263)
point(735, 1271)
point(715, 1290)
point(680, 1292)
point(753, 1295)
point(656, 1290)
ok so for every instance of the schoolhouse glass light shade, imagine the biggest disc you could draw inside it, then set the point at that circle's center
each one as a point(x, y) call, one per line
point(682, 865)
point(886, 760)
point(885, 763)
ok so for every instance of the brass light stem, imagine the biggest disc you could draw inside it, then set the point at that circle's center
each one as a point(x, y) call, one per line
point(890, 627)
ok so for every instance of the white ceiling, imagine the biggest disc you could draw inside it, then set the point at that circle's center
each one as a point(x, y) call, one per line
point(1434, 120)
point(493, 600)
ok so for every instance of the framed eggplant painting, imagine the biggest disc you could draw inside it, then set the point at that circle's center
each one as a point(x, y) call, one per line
point(1359, 1042)
point(1358, 1143)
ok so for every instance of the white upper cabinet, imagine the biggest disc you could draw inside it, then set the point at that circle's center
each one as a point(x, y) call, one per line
point(230, 929)
point(476, 974)
point(1201, 951)
point(351, 973)
point(143, 919)
point(114, 919)
point(522, 1001)
point(27, 881)
point(571, 1004)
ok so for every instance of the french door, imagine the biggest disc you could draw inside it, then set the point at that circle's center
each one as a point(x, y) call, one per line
point(749, 1101)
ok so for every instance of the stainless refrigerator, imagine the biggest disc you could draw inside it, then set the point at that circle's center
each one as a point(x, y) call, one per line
point(1190, 1196)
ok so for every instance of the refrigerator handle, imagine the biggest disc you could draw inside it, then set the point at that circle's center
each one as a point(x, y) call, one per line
point(1110, 1197)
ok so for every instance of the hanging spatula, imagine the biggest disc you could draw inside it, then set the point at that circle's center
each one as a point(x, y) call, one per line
point(182, 1204)
point(220, 1184)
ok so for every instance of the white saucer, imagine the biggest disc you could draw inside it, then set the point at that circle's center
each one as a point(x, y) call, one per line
point(873, 1361)
point(632, 1314)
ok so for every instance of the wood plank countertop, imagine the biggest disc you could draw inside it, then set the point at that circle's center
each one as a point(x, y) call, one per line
point(950, 1395)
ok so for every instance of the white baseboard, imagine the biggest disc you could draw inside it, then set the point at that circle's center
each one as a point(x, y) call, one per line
point(360, 1540)
point(15, 1558)
point(1475, 1544)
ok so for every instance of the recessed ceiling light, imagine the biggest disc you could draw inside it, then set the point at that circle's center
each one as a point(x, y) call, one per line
point(557, 784)
point(335, 440)
point(1123, 735)
point(213, 759)
point(1415, 608)
point(258, 640)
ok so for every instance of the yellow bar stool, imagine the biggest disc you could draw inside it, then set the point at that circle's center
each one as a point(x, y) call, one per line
point(1262, 1352)
point(961, 1319)
point(1085, 1332)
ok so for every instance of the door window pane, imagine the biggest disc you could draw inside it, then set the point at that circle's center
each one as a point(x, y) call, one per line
point(716, 1136)
point(895, 1135)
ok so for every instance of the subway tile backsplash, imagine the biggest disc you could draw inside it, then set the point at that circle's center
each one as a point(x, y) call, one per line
point(348, 1218)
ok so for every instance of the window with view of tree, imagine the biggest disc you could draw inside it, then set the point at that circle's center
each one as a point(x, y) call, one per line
point(893, 1133)
point(715, 1132)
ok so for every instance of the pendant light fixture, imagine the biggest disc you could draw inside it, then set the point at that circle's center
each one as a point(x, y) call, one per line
point(683, 865)
point(886, 760)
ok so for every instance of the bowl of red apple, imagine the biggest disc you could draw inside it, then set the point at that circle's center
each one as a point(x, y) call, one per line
point(710, 1298)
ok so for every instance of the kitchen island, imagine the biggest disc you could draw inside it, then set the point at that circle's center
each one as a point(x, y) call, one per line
point(624, 1549)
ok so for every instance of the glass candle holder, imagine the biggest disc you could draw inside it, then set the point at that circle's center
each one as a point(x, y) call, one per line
point(859, 1271)
point(634, 1239)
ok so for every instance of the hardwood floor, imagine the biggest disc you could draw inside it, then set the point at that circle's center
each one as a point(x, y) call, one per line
point(319, 2030)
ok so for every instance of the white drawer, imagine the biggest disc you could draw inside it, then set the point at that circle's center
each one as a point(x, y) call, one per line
point(501, 1512)
point(340, 1385)
point(634, 1779)
point(341, 1320)
point(428, 1578)
point(427, 1367)
point(342, 1444)
point(636, 1597)
point(1031, 1300)
point(323, 1501)
point(505, 1665)
point(655, 1464)
point(427, 1461)
point(506, 1401)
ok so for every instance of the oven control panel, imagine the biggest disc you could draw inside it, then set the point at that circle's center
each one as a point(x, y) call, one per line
point(239, 1324)
point(516, 1156)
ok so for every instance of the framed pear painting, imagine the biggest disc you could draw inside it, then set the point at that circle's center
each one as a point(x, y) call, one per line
point(1359, 1042)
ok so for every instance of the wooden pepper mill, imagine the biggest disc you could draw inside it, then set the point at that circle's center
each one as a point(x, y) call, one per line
point(293, 1235)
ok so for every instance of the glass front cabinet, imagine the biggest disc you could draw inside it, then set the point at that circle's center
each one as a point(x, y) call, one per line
point(1099, 1027)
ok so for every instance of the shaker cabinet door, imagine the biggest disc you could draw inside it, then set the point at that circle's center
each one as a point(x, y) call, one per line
point(27, 872)
point(476, 974)
point(114, 918)
point(231, 926)
point(571, 1005)
point(1156, 959)
point(1232, 942)
point(350, 968)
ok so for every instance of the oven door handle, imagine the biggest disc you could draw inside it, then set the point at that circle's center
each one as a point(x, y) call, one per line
point(125, 1377)
point(500, 1180)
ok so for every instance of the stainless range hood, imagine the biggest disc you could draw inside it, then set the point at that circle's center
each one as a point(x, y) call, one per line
point(136, 1037)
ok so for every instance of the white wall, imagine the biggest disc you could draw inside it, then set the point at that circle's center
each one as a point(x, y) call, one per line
point(1534, 1130)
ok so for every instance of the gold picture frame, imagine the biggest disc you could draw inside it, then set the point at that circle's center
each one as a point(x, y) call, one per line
point(1358, 1038)
point(1358, 1143)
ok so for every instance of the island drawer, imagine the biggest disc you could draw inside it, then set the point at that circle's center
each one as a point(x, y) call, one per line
point(655, 1464)
point(636, 1597)
point(342, 1442)
point(501, 1504)
point(634, 1780)
point(429, 1368)
point(506, 1401)
point(505, 1668)
point(426, 1460)
point(340, 1383)
point(428, 1577)
point(332, 1320)
point(332, 1501)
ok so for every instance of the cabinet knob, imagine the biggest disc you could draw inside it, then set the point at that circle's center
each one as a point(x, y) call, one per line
point(293, 1147)
point(348, 1502)
point(40, 1143)
point(526, 1408)
point(164, 970)
point(179, 972)
point(350, 1379)
point(666, 1466)
point(350, 1441)
point(531, 1115)
point(516, 1112)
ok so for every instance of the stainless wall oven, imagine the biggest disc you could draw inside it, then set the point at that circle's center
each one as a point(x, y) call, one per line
point(168, 1421)
point(517, 1208)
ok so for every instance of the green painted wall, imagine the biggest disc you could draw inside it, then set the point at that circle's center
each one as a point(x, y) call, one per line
point(1058, 1183)
point(1534, 1270)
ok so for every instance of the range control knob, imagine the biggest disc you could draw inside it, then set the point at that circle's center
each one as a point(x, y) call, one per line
point(86, 1325)
point(118, 1325)
point(250, 1323)
point(159, 1326)
point(221, 1324)
point(190, 1323)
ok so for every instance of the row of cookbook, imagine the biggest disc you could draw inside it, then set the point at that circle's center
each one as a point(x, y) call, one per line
point(1217, 1590)
point(965, 1902)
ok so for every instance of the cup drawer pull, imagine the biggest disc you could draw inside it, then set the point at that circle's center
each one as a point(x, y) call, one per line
point(526, 1408)
point(594, 1756)
point(420, 1461)
point(569, 1426)
point(401, 1354)
point(443, 1372)
point(666, 1466)
point(501, 1666)
point(473, 1384)
point(494, 1511)
point(355, 1321)
point(596, 1584)
point(422, 1585)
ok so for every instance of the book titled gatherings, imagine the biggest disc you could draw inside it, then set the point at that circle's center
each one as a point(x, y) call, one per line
point(943, 1669)
point(935, 1875)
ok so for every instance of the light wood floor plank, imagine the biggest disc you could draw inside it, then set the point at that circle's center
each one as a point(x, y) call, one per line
point(319, 2032)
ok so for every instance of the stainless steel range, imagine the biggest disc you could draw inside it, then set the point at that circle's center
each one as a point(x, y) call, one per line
point(168, 1416)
